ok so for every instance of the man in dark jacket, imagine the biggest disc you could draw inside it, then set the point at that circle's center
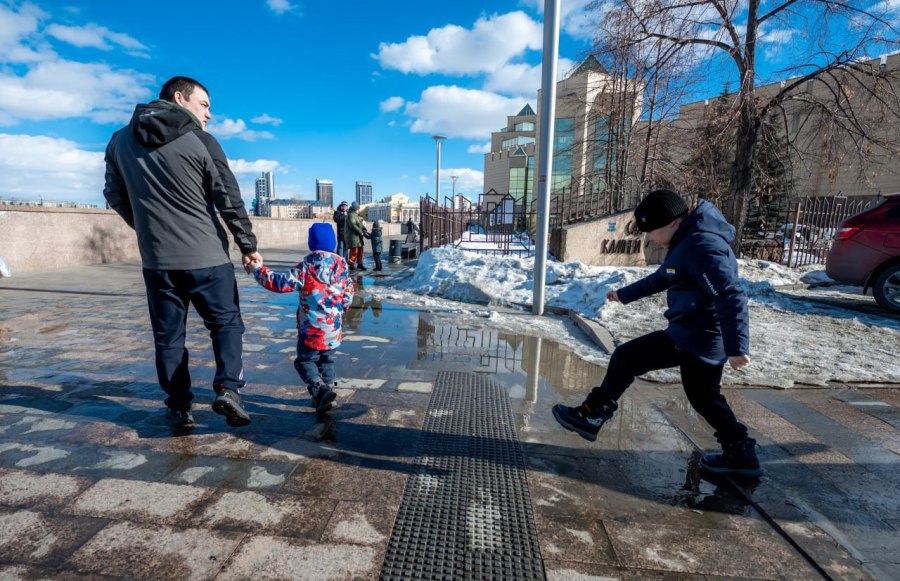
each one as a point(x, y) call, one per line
point(170, 181)
point(708, 325)
point(340, 219)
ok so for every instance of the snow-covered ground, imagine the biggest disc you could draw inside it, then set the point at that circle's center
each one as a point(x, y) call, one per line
point(793, 340)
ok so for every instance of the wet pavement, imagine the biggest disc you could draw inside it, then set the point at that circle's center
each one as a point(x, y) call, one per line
point(94, 484)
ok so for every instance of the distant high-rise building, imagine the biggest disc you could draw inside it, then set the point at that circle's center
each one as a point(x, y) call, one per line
point(265, 193)
point(325, 192)
point(363, 193)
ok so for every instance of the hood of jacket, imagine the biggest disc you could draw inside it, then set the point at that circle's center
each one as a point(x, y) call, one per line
point(160, 122)
point(705, 218)
point(323, 265)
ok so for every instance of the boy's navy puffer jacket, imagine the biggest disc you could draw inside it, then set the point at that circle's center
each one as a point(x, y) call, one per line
point(707, 308)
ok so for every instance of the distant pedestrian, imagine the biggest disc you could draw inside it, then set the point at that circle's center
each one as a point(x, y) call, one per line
point(170, 181)
point(709, 324)
point(340, 219)
point(412, 231)
point(353, 237)
point(326, 292)
point(377, 244)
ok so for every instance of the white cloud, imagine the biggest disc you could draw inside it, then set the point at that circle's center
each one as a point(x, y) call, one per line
point(60, 89)
point(94, 36)
point(33, 166)
point(426, 179)
point(479, 148)
point(488, 45)
point(523, 79)
point(466, 179)
point(18, 27)
point(459, 112)
point(575, 17)
point(281, 6)
point(391, 123)
point(265, 118)
point(391, 104)
point(236, 129)
point(242, 166)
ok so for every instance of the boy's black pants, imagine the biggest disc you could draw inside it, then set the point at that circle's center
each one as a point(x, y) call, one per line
point(377, 257)
point(213, 292)
point(701, 381)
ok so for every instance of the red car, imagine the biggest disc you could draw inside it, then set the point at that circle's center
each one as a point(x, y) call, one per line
point(866, 252)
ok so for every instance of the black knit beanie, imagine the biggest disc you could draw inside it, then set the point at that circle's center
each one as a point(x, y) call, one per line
point(660, 208)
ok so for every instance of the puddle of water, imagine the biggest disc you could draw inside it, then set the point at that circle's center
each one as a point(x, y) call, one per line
point(531, 367)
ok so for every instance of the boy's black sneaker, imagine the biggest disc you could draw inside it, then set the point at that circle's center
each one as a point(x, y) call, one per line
point(579, 420)
point(737, 458)
point(323, 399)
point(180, 419)
point(228, 403)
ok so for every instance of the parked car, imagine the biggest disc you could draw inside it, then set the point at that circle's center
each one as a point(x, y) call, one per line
point(866, 252)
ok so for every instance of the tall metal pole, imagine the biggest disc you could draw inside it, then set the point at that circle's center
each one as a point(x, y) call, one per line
point(545, 150)
point(453, 179)
point(437, 176)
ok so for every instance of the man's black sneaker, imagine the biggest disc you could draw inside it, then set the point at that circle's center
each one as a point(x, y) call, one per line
point(180, 419)
point(323, 400)
point(737, 458)
point(228, 403)
point(580, 421)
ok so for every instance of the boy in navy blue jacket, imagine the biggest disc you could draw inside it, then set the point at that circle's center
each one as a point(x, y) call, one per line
point(708, 325)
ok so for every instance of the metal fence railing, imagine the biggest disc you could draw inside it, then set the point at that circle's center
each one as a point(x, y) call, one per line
point(803, 232)
point(497, 224)
point(505, 224)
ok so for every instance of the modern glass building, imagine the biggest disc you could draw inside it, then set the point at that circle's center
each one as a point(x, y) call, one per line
point(583, 133)
point(325, 192)
point(363, 193)
point(265, 193)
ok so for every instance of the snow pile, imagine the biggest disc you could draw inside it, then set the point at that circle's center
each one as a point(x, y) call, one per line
point(792, 340)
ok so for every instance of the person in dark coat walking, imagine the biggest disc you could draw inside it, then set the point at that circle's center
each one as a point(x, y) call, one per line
point(340, 219)
point(377, 244)
point(708, 326)
point(169, 180)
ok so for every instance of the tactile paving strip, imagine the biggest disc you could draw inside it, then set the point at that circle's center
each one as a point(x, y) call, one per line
point(466, 512)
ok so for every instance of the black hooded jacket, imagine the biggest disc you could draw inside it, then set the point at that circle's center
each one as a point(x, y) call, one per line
point(166, 178)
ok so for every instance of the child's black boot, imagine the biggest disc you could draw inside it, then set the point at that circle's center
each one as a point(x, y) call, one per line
point(322, 396)
point(584, 420)
point(738, 458)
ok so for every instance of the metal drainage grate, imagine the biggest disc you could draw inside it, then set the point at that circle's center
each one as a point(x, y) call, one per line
point(466, 512)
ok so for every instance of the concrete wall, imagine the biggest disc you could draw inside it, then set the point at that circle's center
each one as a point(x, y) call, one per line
point(610, 241)
point(47, 238)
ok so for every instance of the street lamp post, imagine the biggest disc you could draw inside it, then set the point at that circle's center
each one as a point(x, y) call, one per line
point(437, 178)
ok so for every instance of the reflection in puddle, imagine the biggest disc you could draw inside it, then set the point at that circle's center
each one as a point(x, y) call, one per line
point(531, 363)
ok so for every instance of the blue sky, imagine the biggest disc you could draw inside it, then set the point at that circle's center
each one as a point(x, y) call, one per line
point(346, 91)
point(341, 90)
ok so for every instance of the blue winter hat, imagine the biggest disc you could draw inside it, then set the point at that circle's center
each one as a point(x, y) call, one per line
point(321, 237)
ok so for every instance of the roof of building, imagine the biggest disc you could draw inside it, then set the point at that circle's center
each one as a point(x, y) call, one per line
point(526, 110)
point(589, 65)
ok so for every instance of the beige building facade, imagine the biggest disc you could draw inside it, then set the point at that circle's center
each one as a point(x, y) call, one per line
point(823, 159)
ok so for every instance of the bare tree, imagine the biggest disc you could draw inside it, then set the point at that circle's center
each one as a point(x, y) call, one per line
point(835, 87)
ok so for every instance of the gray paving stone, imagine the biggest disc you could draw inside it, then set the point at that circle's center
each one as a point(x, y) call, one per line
point(31, 537)
point(130, 550)
point(703, 551)
point(270, 514)
point(139, 501)
point(23, 489)
point(280, 558)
